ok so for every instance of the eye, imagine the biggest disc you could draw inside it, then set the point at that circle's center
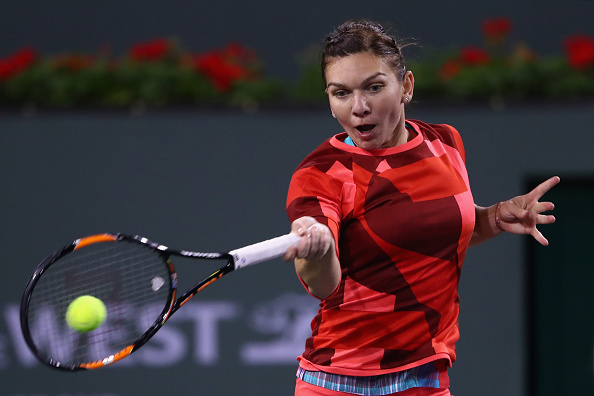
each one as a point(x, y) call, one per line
point(375, 87)
point(340, 93)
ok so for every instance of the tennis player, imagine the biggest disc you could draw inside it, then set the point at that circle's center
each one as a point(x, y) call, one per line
point(386, 214)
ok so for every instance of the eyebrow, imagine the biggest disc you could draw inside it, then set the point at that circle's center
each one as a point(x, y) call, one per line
point(365, 82)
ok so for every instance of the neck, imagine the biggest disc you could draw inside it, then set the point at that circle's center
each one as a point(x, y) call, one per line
point(402, 136)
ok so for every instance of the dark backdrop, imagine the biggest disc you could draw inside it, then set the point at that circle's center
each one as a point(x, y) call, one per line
point(277, 30)
point(217, 180)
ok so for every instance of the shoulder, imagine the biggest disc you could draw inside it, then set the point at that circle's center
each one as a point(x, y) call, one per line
point(442, 132)
point(325, 156)
point(445, 133)
point(316, 185)
point(322, 173)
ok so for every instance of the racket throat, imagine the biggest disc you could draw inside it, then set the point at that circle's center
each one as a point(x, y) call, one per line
point(218, 274)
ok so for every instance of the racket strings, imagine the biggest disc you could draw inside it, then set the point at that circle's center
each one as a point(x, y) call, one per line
point(132, 281)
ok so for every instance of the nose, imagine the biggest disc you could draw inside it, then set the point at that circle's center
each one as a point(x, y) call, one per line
point(360, 105)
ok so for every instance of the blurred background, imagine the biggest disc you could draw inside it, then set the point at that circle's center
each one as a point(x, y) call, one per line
point(183, 122)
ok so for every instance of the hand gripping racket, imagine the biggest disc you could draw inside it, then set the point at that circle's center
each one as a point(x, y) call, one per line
point(136, 281)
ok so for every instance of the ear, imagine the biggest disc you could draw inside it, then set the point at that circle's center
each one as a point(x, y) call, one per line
point(408, 85)
point(331, 111)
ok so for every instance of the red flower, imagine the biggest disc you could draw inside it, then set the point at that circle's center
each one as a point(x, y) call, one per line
point(496, 29)
point(580, 51)
point(222, 67)
point(469, 56)
point(474, 56)
point(17, 62)
point(450, 69)
point(150, 51)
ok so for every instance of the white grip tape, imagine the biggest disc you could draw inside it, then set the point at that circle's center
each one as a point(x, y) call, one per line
point(264, 251)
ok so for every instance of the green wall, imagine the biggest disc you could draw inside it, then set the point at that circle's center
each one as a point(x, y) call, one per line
point(216, 180)
point(560, 317)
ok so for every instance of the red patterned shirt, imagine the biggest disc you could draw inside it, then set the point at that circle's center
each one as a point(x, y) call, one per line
point(402, 218)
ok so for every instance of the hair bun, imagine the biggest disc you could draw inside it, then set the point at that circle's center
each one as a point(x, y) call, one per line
point(364, 24)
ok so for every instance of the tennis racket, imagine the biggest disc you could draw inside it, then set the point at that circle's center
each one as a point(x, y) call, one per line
point(129, 274)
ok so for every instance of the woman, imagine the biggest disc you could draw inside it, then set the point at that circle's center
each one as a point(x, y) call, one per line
point(386, 215)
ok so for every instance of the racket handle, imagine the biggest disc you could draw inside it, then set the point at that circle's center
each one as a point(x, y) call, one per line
point(264, 251)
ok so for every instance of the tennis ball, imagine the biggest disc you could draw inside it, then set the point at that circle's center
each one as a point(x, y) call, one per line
point(85, 313)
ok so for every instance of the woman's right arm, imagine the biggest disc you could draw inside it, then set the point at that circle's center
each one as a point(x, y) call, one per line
point(315, 258)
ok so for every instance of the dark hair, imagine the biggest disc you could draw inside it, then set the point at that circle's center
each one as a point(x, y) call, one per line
point(361, 35)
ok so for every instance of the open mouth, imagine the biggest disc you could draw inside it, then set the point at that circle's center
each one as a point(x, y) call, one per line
point(365, 128)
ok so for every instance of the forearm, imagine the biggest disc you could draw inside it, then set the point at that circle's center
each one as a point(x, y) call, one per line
point(316, 261)
point(485, 226)
point(321, 276)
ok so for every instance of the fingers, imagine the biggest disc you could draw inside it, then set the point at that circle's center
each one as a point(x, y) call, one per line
point(316, 240)
point(544, 207)
point(522, 214)
point(543, 187)
point(539, 237)
point(540, 207)
point(302, 223)
point(545, 219)
point(511, 211)
point(290, 254)
point(532, 213)
point(528, 207)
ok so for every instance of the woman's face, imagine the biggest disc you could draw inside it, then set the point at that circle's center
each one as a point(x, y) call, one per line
point(367, 98)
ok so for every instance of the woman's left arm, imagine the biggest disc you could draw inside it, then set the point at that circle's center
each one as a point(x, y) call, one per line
point(519, 215)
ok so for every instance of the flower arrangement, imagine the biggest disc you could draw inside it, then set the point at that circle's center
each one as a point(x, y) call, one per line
point(154, 73)
point(494, 73)
point(507, 71)
point(161, 73)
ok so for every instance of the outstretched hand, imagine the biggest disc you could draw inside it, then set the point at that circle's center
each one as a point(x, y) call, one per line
point(521, 215)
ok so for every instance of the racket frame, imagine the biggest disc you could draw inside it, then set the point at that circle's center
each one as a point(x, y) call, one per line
point(171, 306)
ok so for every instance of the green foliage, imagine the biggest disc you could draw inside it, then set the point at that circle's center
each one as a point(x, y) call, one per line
point(160, 73)
point(153, 74)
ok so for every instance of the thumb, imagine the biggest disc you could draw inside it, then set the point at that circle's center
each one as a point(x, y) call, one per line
point(512, 211)
point(290, 254)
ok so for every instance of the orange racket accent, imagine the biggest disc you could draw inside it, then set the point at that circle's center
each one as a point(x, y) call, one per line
point(219, 276)
point(112, 359)
point(95, 239)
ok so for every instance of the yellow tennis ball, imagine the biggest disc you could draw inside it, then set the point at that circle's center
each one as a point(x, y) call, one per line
point(85, 313)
